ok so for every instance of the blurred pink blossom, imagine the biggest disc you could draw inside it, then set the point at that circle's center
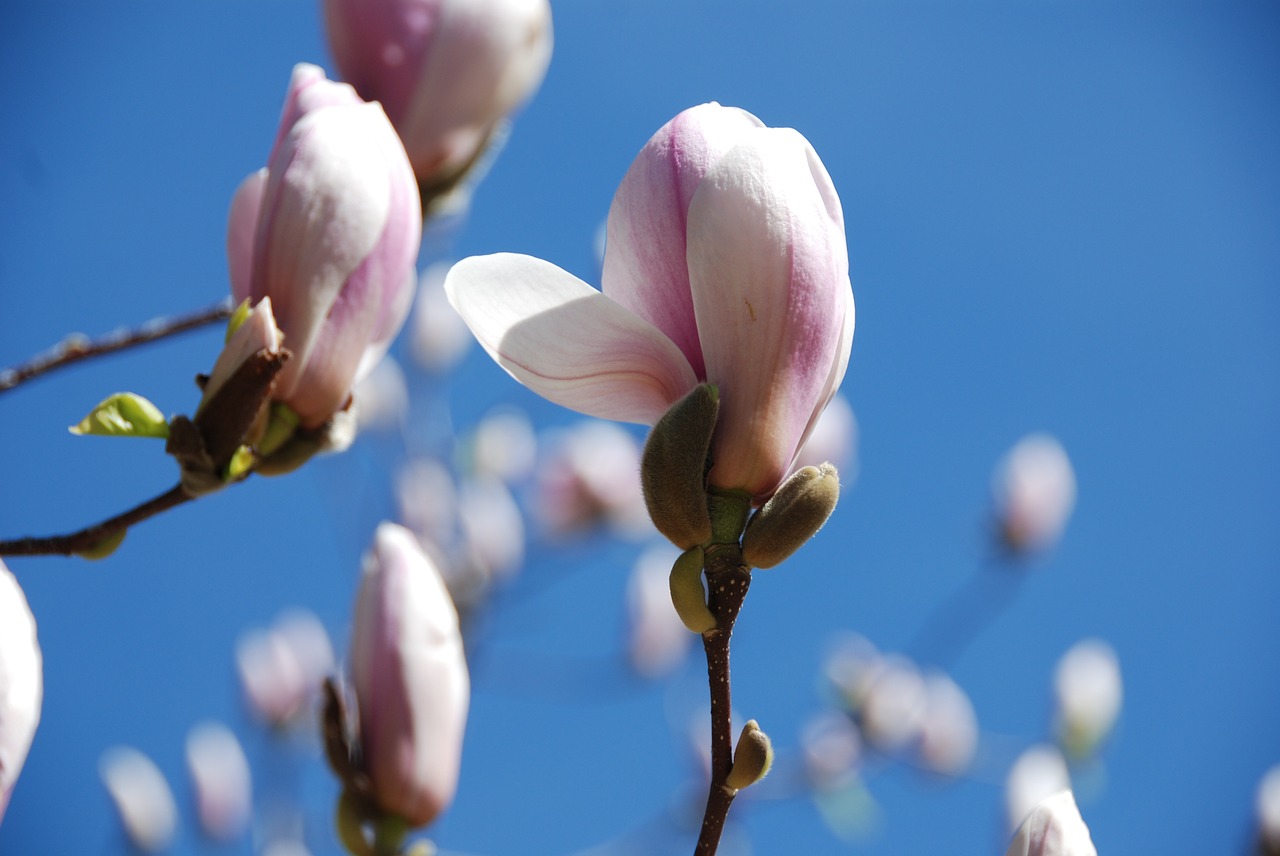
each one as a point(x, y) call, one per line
point(1053, 828)
point(141, 796)
point(658, 640)
point(21, 682)
point(590, 475)
point(1034, 489)
point(282, 668)
point(221, 781)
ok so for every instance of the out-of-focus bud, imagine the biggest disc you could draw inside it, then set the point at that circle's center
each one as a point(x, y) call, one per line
point(850, 665)
point(1054, 828)
point(949, 733)
point(492, 527)
point(1089, 694)
point(142, 798)
point(21, 682)
point(893, 706)
point(382, 397)
point(447, 71)
point(658, 640)
point(410, 679)
point(834, 440)
point(792, 516)
point(687, 594)
point(340, 281)
point(831, 748)
point(752, 758)
point(1039, 773)
point(439, 338)
point(591, 475)
point(221, 781)
point(282, 669)
point(673, 469)
point(1267, 808)
point(1034, 490)
point(427, 500)
point(505, 446)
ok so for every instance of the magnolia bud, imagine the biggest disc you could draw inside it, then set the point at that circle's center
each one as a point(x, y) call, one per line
point(1054, 828)
point(794, 515)
point(673, 469)
point(687, 595)
point(751, 759)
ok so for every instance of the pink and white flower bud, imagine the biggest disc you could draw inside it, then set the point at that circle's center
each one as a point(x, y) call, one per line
point(1034, 489)
point(949, 734)
point(410, 679)
point(1039, 773)
point(142, 798)
point(221, 781)
point(1089, 693)
point(1054, 828)
point(725, 262)
point(447, 71)
point(281, 669)
point(21, 683)
point(329, 231)
point(590, 475)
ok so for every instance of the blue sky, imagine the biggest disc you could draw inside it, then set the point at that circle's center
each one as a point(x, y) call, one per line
point(1061, 216)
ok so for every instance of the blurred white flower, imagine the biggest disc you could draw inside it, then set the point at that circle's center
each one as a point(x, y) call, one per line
point(591, 475)
point(831, 747)
point(492, 527)
point(659, 640)
point(21, 682)
point(1267, 806)
point(949, 733)
point(1034, 490)
point(893, 707)
point(382, 397)
point(849, 666)
point(1053, 828)
point(1039, 773)
point(1089, 694)
point(505, 445)
point(439, 338)
point(834, 440)
point(141, 796)
point(221, 781)
point(281, 669)
point(427, 500)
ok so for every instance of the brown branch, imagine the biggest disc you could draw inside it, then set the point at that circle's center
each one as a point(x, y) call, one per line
point(92, 536)
point(76, 347)
point(727, 582)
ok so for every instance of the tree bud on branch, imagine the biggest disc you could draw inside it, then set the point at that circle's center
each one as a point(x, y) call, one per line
point(752, 759)
point(673, 469)
point(793, 516)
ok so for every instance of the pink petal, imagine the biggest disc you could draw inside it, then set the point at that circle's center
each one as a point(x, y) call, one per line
point(242, 227)
point(645, 264)
point(566, 341)
point(769, 273)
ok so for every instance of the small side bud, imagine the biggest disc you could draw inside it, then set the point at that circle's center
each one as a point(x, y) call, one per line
point(349, 820)
point(751, 759)
point(673, 468)
point(687, 595)
point(793, 516)
point(124, 414)
point(105, 547)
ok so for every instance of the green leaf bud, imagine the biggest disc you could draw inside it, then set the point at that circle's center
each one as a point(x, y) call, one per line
point(105, 547)
point(673, 469)
point(124, 414)
point(687, 594)
point(238, 317)
point(751, 759)
point(792, 516)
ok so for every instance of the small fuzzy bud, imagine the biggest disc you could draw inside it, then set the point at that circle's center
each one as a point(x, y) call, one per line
point(793, 516)
point(674, 467)
point(124, 414)
point(751, 759)
point(687, 595)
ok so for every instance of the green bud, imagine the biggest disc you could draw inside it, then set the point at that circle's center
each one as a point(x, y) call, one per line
point(105, 547)
point(673, 470)
point(280, 427)
point(238, 317)
point(124, 414)
point(751, 759)
point(687, 594)
point(241, 464)
point(349, 819)
point(792, 516)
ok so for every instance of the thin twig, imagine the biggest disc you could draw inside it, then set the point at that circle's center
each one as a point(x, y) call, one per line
point(76, 347)
point(727, 582)
point(92, 536)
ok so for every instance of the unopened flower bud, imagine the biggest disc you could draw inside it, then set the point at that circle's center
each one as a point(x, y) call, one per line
point(751, 759)
point(687, 594)
point(673, 469)
point(1054, 828)
point(21, 682)
point(1089, 692)
point(142, 798)
point(793, 516)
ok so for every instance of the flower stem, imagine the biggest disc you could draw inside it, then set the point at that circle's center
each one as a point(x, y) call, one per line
point(92, 536)
point(727, 582)
point(75, 348)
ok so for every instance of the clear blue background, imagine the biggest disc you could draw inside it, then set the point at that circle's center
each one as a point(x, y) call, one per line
point(1061, 216)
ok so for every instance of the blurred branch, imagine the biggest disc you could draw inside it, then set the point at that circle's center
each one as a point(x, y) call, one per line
point(969, 610)
point(76, 347)
point(94, 536)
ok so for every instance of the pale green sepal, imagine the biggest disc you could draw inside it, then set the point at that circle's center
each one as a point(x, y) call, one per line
point(125, 414)
point(280, 427)
point(238, 317)
point(241, 464)
point(105, 547)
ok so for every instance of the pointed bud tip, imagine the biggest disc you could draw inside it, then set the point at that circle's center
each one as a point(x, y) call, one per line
point(752, 759)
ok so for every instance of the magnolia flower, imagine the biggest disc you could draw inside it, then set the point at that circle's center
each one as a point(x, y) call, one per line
point(1054, 828)
point(21, 683)
point(504, 445)
point(329, 231)
point(658, 640)
point(142, 798)
point(1034, 489)
point(949, 733)
point(447, 71)
point(410, 679)
point(1039, 773)
point(220, 779)
point(282, 668)
point(590, 475)
point(725, 262)
point(1089, 693)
